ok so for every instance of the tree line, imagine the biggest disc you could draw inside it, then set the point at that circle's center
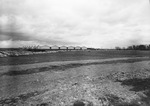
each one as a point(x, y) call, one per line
point(135, 47)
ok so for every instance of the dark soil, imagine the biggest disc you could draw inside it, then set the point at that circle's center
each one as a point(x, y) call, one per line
point(79, 103)
point(140, 85)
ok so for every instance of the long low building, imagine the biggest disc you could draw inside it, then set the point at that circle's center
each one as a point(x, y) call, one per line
point(77, 48)
point(44, 47)
point(55, 47)
point(63, 48)
point(71, 48)
point(84, 48)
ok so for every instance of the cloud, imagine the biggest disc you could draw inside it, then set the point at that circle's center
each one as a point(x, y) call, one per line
point(13, 36)
point(14, 44)
point(95, 23)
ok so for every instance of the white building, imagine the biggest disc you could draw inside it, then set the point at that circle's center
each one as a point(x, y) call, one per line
point(63, 48)
point(44, 47)
point(71, 48)
point(77, 48)
point(54, 47)
point(84, 48)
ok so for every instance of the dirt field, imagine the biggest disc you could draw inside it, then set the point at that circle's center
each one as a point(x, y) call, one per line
point(102, 82)
point(72, 56)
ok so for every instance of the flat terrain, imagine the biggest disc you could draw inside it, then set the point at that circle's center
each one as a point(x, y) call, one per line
point(72, 56)
point(81, 78)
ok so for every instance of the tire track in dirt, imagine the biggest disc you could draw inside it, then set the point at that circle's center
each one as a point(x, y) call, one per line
point(67, 66)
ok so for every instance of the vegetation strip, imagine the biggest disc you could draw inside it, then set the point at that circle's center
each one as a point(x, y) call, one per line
point(68, 66)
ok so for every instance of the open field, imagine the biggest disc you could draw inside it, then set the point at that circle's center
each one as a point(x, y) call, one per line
point(71, 56)
point(79, 78)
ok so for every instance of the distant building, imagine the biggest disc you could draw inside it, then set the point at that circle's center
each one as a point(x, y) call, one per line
point(27, 47)
point(84, 48)
point(63, 48)
point(77, 48)
point(71, 48)
point(44, 47)
point(54, 47)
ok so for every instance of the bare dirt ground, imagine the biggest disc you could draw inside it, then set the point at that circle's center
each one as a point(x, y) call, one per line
point(105, 82)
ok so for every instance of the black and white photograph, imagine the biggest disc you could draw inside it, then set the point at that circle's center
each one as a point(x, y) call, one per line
point(74, 52)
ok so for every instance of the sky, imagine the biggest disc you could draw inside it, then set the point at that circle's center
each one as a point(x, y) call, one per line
point(90, 23)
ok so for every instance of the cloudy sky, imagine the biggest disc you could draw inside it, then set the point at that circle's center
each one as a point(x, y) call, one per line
point(91, 23)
